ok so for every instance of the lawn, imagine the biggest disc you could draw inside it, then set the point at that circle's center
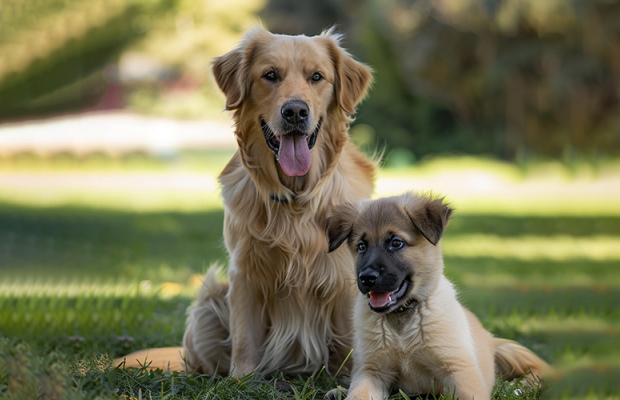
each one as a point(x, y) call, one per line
point(89, 274)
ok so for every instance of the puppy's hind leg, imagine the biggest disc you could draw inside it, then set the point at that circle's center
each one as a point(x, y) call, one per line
point(207, 335)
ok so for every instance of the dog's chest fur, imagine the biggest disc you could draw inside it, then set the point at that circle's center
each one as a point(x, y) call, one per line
point(303, 290)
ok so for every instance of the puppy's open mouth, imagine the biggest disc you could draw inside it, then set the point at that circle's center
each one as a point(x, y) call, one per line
point(382, 302)
point(292, 149)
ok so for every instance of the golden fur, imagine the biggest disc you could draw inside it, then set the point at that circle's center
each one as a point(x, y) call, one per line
point(432, 342)
point(289, 302)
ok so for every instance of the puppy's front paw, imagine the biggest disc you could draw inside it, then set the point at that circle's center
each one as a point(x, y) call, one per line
point(336, 394)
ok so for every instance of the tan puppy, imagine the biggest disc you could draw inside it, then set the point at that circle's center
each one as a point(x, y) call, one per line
point(410, 330)
point(288, 305)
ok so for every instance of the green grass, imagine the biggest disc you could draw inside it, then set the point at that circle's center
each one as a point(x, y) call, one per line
point(82, 282)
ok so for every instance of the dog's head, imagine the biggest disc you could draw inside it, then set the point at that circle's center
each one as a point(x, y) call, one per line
point(396, 243)
point(285, 88)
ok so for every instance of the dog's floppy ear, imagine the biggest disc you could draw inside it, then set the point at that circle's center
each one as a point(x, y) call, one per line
point(231, 71)
point(226, 73)
point(429, 215)
point(352, 77)
point(339, 224)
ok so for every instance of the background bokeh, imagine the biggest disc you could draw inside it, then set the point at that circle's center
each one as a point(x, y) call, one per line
point(518, 79)
point(112, 135)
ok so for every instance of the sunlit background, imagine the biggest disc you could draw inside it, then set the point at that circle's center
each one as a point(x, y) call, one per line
point(112, 135)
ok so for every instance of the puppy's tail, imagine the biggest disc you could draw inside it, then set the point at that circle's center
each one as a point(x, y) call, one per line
point(514, 360)
point(207, 336)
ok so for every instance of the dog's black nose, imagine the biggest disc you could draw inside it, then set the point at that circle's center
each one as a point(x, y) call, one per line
point(368, 278)
point(295, 111)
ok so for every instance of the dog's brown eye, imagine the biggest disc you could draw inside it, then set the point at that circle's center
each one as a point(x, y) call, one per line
point(270, 76)
point(316, 77)
point(361, 247)
point(396, 243)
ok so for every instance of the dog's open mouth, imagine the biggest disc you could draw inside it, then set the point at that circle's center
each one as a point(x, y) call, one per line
point(292, 150)
point(385, 301)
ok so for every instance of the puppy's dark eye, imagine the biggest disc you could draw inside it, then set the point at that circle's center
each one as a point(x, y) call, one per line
point(270, 76)
point(316, 77)
point(396, 243)
point(361, 247)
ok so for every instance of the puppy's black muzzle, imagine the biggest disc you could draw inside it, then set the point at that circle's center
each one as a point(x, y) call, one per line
point(377, 272)
point(371, 280)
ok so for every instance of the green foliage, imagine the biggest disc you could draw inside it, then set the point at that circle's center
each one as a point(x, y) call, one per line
point(517, 79)
point(58, 56)
point(74, 41)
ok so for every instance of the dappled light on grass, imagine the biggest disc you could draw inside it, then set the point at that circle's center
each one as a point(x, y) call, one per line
point(67, 288)
point(480, 186)
point(547, 283)
point(137, 200)
point(556, 248)
point(553, 323)
point(74, 310)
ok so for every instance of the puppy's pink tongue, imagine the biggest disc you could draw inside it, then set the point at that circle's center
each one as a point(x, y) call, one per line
point(294, 155)
point(379, 299)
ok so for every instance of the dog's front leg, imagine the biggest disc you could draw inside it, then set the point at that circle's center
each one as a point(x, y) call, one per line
point(468, 384)
point(368, 386)
point(247, 329)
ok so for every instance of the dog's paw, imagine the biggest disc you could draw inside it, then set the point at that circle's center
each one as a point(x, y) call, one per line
point(336, 394)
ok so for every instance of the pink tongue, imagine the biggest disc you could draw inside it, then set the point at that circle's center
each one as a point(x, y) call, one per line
point(379, 299)
point(294, 155)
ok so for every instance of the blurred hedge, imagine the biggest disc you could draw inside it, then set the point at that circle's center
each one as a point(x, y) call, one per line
point(514, 78)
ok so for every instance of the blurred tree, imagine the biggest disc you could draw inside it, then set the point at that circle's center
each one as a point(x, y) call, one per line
point(514, 78)
point(54, 53)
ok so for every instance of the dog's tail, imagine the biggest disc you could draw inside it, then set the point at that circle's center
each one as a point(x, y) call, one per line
point(207, 335)
point(514, 360)
point(206, 344)
point(165, 358)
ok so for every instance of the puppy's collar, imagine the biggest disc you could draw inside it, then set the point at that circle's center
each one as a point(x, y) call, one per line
point(278, 199)
point(409, 304)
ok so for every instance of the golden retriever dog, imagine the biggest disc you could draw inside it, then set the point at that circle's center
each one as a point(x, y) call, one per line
point(288, 303)
point(411, 332)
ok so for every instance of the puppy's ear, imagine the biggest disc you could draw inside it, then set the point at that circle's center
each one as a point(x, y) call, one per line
point(352, 77)
point(231, 71)
point(429, 215)
point(339, 224)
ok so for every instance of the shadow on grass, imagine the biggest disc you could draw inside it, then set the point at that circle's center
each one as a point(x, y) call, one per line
point(74, 243)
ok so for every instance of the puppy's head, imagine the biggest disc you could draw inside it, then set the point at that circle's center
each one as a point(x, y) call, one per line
point(396, 243)
point(285, 87)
